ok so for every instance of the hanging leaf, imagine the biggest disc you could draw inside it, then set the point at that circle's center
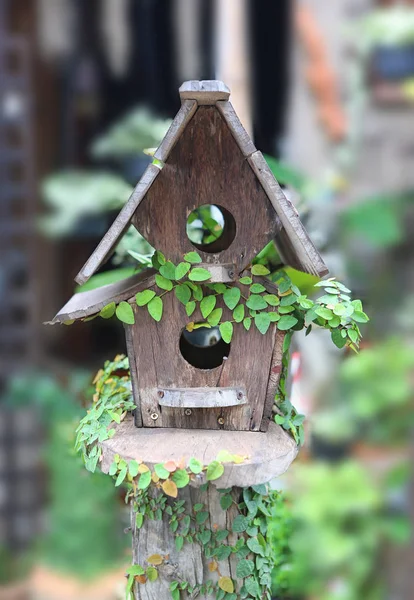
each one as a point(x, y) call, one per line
point(286, 322)
point(155, 308)
point(179, 542)
point(337, 338)
point(192, 257)
point(163, 283)
point(152, 574)
point(244, 568)
point(274, 317)
point(195, 466)
point(142, 298)
point(183, 293)
point(226, 584)
point(161, 471)
point(238, 313)
point(144, 480)
point(220, 288)
point(108, 311)
point(226, 331)
point(170, 488)
point(360, 317)
point(257, 288)
point(121, 477)
point(272, 299)
point(246, 280)
point(226, 501)
point(158, 259)
point(199, 274)
point(231, 297)
point(181, 478)
point(170, 465)
point(181, 270)
point(215, 316)
point(325, 313)
point(240, 524)
point(256, 302)
point(168, 270)
point(262, 322)
point(247, 323)
point(207, 305)
point(260, 270)
point(214, 470)
point(190, 308)
point(198, 293)
point(125, 313)
point(133, 468)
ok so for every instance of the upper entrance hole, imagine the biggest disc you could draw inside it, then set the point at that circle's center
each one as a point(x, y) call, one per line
point(211, 228)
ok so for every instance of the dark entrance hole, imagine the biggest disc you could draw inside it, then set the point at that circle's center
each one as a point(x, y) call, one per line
point(203, 348)
point(211, 228)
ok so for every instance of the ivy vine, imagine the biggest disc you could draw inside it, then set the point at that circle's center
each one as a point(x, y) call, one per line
point(251, 303)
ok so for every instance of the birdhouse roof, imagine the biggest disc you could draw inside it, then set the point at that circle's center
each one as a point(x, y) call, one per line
point(292, 240)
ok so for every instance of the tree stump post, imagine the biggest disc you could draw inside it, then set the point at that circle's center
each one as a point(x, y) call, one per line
point(210, 556)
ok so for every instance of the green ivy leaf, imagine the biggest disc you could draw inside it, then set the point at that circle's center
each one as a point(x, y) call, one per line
point(255, 546)
point(113, 469)
point(252, 587)
point(288, 300)
point(274, 317)
point(353, 335)
point(231, 297)
point(181, 270)
point(337, 338)
point(257, 288)
point(244, 568)
point(198, 293)
point(226, 331)
point(158, 259)
point(121, 477)
point(262, 322)
point(142, 298)
point(144, 480)
point(139, 520)
point(260, 270)
point(192, 257)
point(163, 283)
point(207, 305)
point(199, 274)
point(222, 534)
point(222, 552)
point(108, 311)
point(256, 302)
point(339, 310)
point(220, 288)
point(161, 471)
point(240, 524)
point(360, 317)
point(247, 323)
point(325, 313)
point(286, 322)
point(190, 308)
point(201, 517)
point(152, 574)
point(181, 478)
point(238, 313)
point(168, 270)
point(215, 316)
point(133, 468)
point(214, 470)
point(272, 299)
point(226, 501)
point(155, 308)
point(195, 466)
point(125, 313)
point(179, 542)
point(183, 293)
point(246, 280)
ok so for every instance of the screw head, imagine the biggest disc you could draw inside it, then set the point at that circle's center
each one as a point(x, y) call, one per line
point(160, 394)
point(230, 274)
point(154, 416)
point(240, 395)
point(188, 412)
point(220, 421)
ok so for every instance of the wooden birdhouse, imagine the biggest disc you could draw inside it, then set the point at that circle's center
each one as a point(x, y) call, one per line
point(190, 377)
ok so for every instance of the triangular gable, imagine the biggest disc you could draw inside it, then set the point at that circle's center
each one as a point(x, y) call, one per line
point(293, 242)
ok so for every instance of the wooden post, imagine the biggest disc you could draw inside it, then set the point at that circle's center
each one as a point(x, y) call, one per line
point(267, 455)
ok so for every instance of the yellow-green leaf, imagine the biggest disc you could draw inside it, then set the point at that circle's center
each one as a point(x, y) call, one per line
point(226, 584)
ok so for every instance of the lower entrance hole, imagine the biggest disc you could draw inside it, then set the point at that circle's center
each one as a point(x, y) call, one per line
point(203, 347)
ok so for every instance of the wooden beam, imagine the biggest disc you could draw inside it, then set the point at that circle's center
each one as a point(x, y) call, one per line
point(238, 131)
point(204, 92)
point(294, 242)
point(184, 115)
point(118, 227)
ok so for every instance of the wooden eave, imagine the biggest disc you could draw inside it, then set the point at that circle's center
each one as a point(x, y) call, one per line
point(293, 242)
point(86, 304)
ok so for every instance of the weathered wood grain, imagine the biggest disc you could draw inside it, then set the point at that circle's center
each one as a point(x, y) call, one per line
point(134, 375)
point(204, 92)
point(187, 110)
point(293, 241)
point(238, 131)
point(206, 166)
point(118, 227)
point(85, 304)
point(160, 365)
point(189, 564)
point(268, 455)
point(201, 397)
point(273, 381)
